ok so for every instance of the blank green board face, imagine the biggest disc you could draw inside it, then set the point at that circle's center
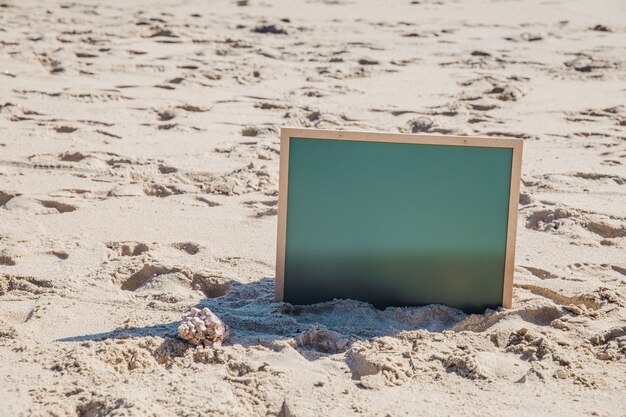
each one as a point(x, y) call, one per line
point(396, 224)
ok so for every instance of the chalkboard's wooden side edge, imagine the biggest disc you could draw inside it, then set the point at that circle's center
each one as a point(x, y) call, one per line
point(281, 240)
point(421, 139)
point(509, 266)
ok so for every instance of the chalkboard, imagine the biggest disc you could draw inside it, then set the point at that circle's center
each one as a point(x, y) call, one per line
point(397, 220)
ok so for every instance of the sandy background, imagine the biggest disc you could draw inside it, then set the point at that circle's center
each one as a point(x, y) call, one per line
point(138, 178)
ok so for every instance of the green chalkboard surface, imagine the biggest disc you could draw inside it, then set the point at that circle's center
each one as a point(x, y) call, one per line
point(395, 223)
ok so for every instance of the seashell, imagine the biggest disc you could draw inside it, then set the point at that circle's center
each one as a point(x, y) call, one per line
point(203, 327)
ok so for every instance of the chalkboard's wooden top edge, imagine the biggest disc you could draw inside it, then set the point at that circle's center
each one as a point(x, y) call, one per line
point(412, 138)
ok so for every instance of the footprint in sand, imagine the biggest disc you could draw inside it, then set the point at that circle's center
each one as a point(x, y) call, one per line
point(36, 206)
point(127, 248)
point(6, 197)
point(27, 284)
point(166, 190)
point(83, 159)
point(254, 130)
point(614, 114)
point(6, 259)
point(587, 303)
point(563, 220)
point(174, 284)
point(58, 206)
point(540, 273)
point(188, 247)
point(265, 208)
point(193, 109)
point(59, 254)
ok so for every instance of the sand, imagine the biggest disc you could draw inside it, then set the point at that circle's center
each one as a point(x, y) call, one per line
point(138, 178)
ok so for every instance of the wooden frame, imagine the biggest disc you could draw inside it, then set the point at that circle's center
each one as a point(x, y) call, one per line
point(472, 141)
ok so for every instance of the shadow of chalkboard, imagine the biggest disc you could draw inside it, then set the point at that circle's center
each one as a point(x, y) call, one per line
point(397, 220)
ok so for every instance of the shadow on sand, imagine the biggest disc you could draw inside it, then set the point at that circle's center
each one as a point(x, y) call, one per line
point(255, 318)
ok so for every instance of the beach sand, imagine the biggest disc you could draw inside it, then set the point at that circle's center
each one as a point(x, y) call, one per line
point(139, 178)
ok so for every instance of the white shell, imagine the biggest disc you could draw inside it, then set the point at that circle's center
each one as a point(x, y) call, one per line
point(203, 327)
